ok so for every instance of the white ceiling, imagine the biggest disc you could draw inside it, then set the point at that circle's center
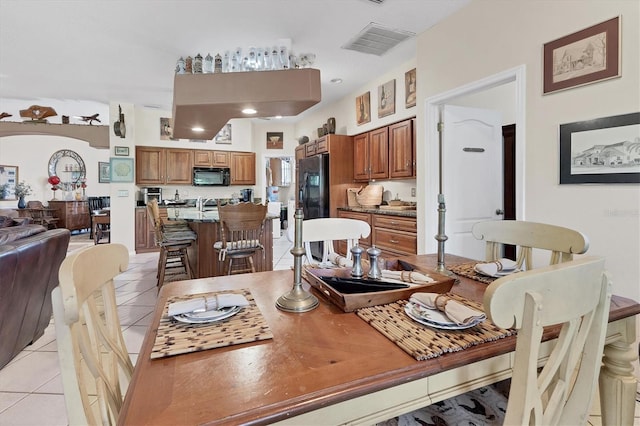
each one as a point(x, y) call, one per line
point(126, 50)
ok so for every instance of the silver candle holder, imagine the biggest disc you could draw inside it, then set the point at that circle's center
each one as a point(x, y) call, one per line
point(298, 299)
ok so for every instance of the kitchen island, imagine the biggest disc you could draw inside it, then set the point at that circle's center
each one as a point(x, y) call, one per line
point(203, 258)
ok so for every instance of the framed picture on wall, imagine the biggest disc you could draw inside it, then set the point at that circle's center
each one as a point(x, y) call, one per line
point(584, 57)
point(604, 150)
point(121, 169)
point(363, 108)
point(224, 135)
point(275, 140)
point(387, 98)
point(121, 151)
point(410, 88)
point(8, 181)
point(104, 172)
point(166, 129)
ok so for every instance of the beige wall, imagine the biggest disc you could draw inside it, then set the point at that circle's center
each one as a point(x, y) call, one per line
point(488, 37)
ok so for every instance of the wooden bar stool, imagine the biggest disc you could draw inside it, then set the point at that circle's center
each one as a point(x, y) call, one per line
point(241, 228)
point(173, 240)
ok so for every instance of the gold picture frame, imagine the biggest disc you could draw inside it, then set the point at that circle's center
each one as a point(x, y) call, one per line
point(387, 98)
point(363, 108)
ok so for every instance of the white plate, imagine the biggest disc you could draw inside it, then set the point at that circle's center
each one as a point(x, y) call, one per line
point(498, 274)
point(207, 316)
point(434, 318)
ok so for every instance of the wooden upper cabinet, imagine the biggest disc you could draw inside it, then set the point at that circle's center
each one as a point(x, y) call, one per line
point(300, 152)
point(150, 165)
point(379, 154)
point(159, 166)
point(361, 157)
point(179, 166)
point(243, 168)
point(401, 150)
point(208, 158)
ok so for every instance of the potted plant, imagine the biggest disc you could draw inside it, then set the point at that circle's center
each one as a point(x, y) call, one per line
point(22, 190)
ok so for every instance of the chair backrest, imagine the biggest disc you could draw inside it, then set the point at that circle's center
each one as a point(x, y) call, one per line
point(93, 356)
point(527, 236)
point(561, 393)
point(95, 203)
point(153, 212)
point(241, 225)
point(34, 205)
point(328, 230)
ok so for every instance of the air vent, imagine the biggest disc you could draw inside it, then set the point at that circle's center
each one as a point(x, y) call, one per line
point(376, 39)
point(376, 1)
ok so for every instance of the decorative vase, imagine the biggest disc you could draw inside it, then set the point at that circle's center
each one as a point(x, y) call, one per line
point(21, 203)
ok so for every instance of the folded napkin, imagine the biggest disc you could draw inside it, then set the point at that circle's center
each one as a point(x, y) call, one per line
point(207, 303)
point(497, 268)
point(339, 260)
point(407, 276)
point(456, 311)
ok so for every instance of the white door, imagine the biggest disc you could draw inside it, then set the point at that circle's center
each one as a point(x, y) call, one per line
point(472, 175)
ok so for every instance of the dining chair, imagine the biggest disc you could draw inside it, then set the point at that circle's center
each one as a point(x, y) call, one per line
point(330, 231)
point(241, 229)
point(94, 362)
point(562, 242)
point(95, 205)
point(173, 239)
point(562, 390)
point(41, 215)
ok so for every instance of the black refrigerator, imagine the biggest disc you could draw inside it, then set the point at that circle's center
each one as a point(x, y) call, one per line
point(313, 191)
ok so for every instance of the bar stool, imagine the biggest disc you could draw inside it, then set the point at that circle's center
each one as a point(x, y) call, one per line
point(241, 229)
point(173, 240)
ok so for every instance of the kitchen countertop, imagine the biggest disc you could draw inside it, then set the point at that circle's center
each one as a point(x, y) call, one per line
point(403, 213)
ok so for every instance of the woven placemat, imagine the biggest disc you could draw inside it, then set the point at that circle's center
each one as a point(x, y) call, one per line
point(174, 338)
point(466, 270)
point(422, 342)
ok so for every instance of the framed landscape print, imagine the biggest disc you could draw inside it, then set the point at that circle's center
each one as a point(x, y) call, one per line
point(363, 108)
point(410, 88)
point(8, 181)
point(584, 57)
point(387, 98)
point(604, 150)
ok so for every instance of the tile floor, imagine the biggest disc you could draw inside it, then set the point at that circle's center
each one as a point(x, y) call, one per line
point(30, 386)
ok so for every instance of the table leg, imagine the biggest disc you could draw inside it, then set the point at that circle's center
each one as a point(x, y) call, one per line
point(617, 382)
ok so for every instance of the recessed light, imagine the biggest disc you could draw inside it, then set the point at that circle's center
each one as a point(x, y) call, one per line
point(197, 129)
point(278, 117)
point(336, 80)
point(249, 111)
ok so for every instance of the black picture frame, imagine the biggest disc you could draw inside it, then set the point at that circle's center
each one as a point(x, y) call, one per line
point(603, 150)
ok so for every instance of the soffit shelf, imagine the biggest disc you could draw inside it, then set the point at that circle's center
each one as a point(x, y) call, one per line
point(211, 100)
point(96, 136)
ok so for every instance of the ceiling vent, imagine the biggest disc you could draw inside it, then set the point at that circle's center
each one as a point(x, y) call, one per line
point(376, 39)
point(376, 1)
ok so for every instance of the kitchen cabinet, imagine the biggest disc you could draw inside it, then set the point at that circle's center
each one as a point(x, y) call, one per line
point(401, 146)
point(371, 155)
point(300, 152)
point(73, 215)
point(160, 166)
point(243, 168)
point(395, 235)
point(144, 232)
point(208, 158)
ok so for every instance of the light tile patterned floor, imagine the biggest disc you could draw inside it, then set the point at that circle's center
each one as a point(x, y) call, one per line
point(30, 386)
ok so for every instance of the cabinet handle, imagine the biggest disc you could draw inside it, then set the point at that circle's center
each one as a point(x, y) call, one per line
point(394, 241)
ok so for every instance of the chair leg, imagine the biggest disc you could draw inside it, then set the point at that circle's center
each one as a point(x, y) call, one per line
point(229, 266)
point(250, 258)
point(187, 266)
point(162, 264)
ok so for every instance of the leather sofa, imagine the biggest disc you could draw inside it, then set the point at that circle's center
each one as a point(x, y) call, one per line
point(30, 257)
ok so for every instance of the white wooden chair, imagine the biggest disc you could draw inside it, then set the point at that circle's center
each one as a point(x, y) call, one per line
point(561, 393)
point(328, 230)
point(527, 236)
point(93, 356)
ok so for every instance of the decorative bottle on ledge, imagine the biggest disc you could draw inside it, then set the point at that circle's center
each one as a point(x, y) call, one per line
point(21, 203)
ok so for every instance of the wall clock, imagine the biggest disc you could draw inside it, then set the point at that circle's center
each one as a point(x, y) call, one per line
point(76, 171)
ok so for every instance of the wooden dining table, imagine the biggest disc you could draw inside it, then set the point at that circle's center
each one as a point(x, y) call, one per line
point(326, 366)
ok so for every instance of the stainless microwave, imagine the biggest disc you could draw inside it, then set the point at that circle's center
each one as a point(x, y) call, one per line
point(211, 176)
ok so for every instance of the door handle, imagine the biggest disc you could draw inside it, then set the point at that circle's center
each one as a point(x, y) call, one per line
point(499, 211)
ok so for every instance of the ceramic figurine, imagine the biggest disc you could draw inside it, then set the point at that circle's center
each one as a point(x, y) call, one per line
point(207, 68)
point(188, 65)
point(180, 66)
point(197, 64)
point(218, 64)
